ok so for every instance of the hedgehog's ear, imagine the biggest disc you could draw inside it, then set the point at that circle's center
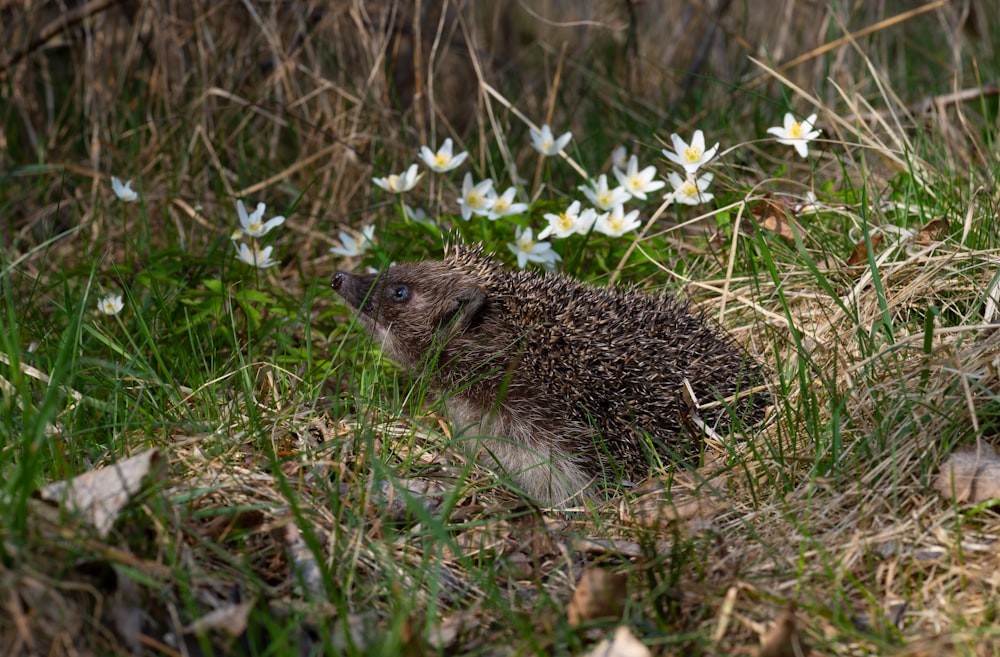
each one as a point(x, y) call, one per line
point(466, 304)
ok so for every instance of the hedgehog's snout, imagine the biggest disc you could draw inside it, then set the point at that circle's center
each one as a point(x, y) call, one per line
point(345, 285)
point(351, 288)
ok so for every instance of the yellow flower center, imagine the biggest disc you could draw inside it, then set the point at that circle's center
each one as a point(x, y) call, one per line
point(440, 159)
point(255, 226)
point(476, 199)
point(616, 222)
point(604, 198)
point(634, 183)
point(689, 189)
point(795, 130)
point(692, 153)
point(547, 144)
point(565, 221)
point(393, 182)
point(525, 244)
point(501, 205)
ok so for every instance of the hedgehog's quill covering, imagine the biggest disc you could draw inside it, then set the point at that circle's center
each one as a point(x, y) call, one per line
point(567, 382)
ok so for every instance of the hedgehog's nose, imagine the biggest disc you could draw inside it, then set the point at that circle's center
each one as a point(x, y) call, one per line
point(338, 280)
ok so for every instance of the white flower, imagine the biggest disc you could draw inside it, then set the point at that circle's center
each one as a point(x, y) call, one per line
point(796, 134)
point(111, 305)
point(618, 157)
point(586, 221)
point(569, 222)
point(601, 196)
point(256, 256)
point(616, 223)
point(504, 205)
point(636, 182)
point(354, 247)
point(690, 191)
point(810, 206)
point(251, 223)
point(399, 183)
point(527, 249)
point(443, 160)
point(690, 156)
point(478, 198)
point(123, 191)
point(417, 215)
point(546, 144)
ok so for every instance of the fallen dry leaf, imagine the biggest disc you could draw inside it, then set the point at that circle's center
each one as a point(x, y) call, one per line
point(622, 644)
point(860, 253)
point(971, 474)
point(101, 494)
point(774, 216)
point(599, 594)
point(231, 619)
point(934, 230)
point(783, 640)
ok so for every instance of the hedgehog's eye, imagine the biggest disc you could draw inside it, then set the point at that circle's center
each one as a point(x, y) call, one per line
point(400, 293)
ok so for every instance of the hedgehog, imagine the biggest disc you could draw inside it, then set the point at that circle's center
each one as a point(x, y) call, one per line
point(565, 384)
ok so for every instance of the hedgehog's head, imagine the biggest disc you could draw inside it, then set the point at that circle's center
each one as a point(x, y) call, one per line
point(412, 310)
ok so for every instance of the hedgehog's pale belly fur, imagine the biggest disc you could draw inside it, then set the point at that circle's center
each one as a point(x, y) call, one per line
point(562, 382)
point(527, 452)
